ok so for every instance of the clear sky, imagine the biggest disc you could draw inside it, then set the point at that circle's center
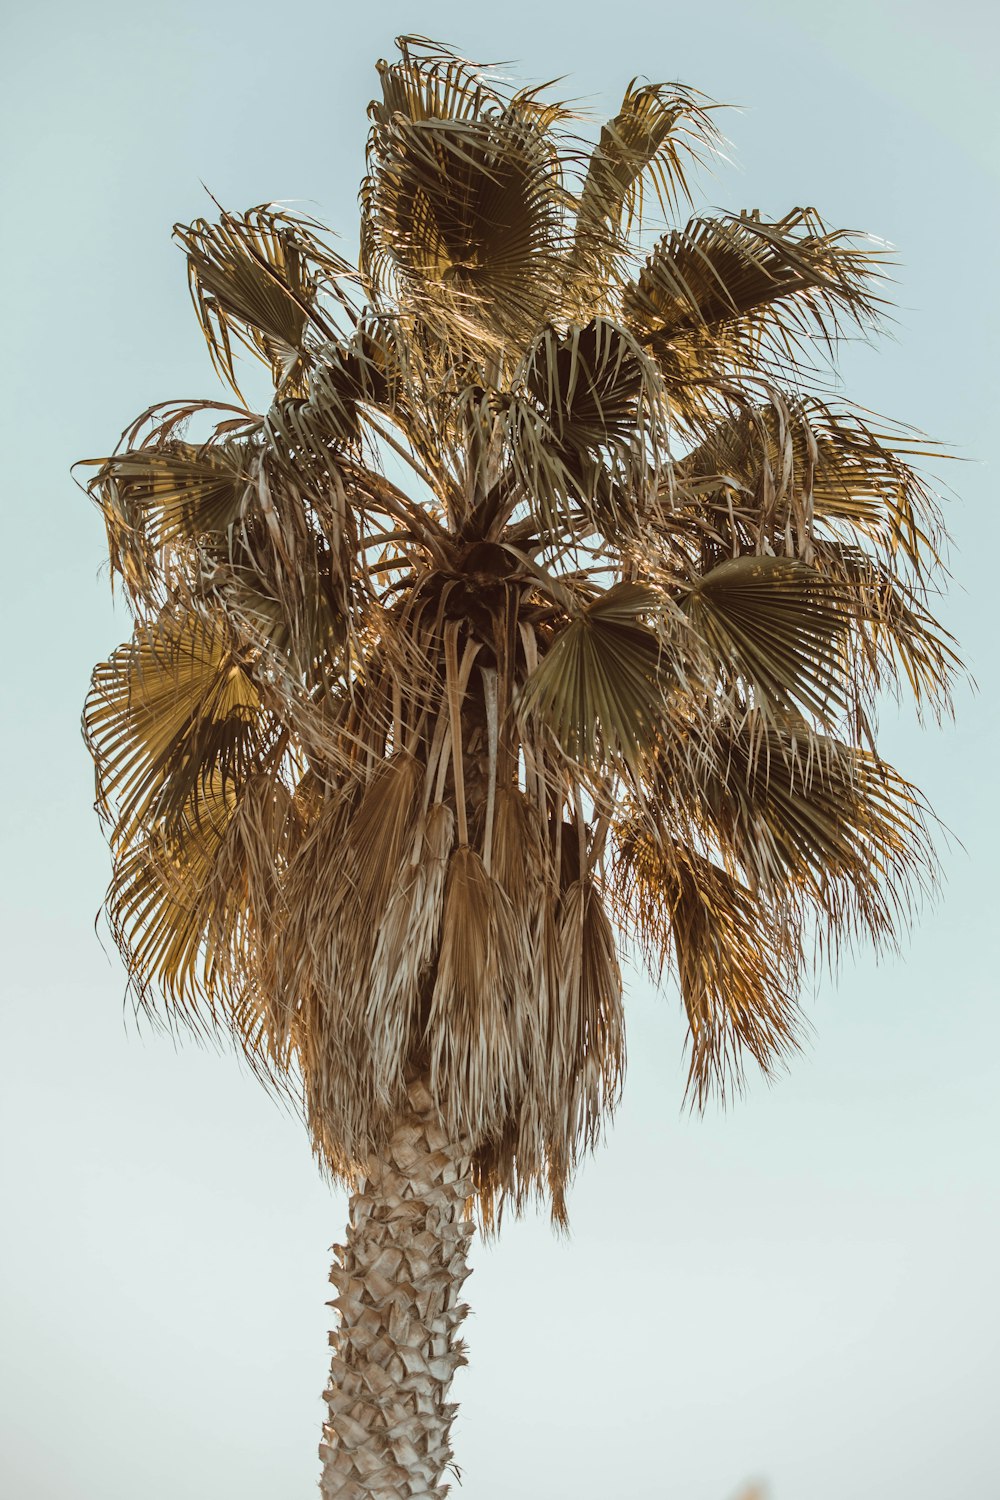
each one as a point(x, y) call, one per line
point(800, 1290)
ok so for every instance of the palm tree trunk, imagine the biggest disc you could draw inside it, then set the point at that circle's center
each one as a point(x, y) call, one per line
point(398, 1281)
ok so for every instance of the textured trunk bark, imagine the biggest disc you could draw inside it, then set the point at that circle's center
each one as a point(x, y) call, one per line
point(399, 1280)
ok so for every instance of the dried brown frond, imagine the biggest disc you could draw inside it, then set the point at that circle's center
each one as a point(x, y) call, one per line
point(408, 939)
point(478, 1025)
point(737, 958)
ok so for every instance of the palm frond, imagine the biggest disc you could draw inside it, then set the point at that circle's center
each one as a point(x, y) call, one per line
point(737, 959)
point(170, 713)
point(159, 500)
point(466, 216)
point(587, 1035)
point(658, 134)
point(778, 626)
point(797, 468)
point(598, 688)
point(192, 906)
point(255, 278)
point(810, 818)
point(430, 82)
point(738, 286)
point(897, 643)
point(407, 943)
point(161, 914)
point(475, 1034)
point(588, 432)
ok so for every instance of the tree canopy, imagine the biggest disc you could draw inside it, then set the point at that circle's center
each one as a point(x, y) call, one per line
point(545, 612)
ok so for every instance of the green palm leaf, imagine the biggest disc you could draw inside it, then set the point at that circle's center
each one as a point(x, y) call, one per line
point(584, 431)
point(776, 625)
point(598, 687)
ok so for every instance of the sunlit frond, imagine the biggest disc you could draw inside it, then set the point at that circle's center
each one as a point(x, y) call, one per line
point(170, 713)
point(465, 216)
point(795, 469)
point(658, 134)
point(431, 82)
point(192, 904)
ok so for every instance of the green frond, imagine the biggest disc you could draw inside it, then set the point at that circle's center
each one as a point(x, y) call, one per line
point(590, 429)
point(776, 625)
point(286, 599)
point(598, 688)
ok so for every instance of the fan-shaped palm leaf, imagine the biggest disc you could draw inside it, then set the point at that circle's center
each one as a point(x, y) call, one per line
point(598, 686)
point(778, 626)
point(467, 215)
point(169, 711)
point(255, 277)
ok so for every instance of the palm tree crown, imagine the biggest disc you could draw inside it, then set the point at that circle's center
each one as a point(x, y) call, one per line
point(549, 599)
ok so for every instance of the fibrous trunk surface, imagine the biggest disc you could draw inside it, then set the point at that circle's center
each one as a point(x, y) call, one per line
point(398, 1281)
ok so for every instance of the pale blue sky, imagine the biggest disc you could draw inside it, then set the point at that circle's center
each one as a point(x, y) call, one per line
point(801, 1289)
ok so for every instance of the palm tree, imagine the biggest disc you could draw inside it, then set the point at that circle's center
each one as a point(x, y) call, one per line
point(545, 608)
